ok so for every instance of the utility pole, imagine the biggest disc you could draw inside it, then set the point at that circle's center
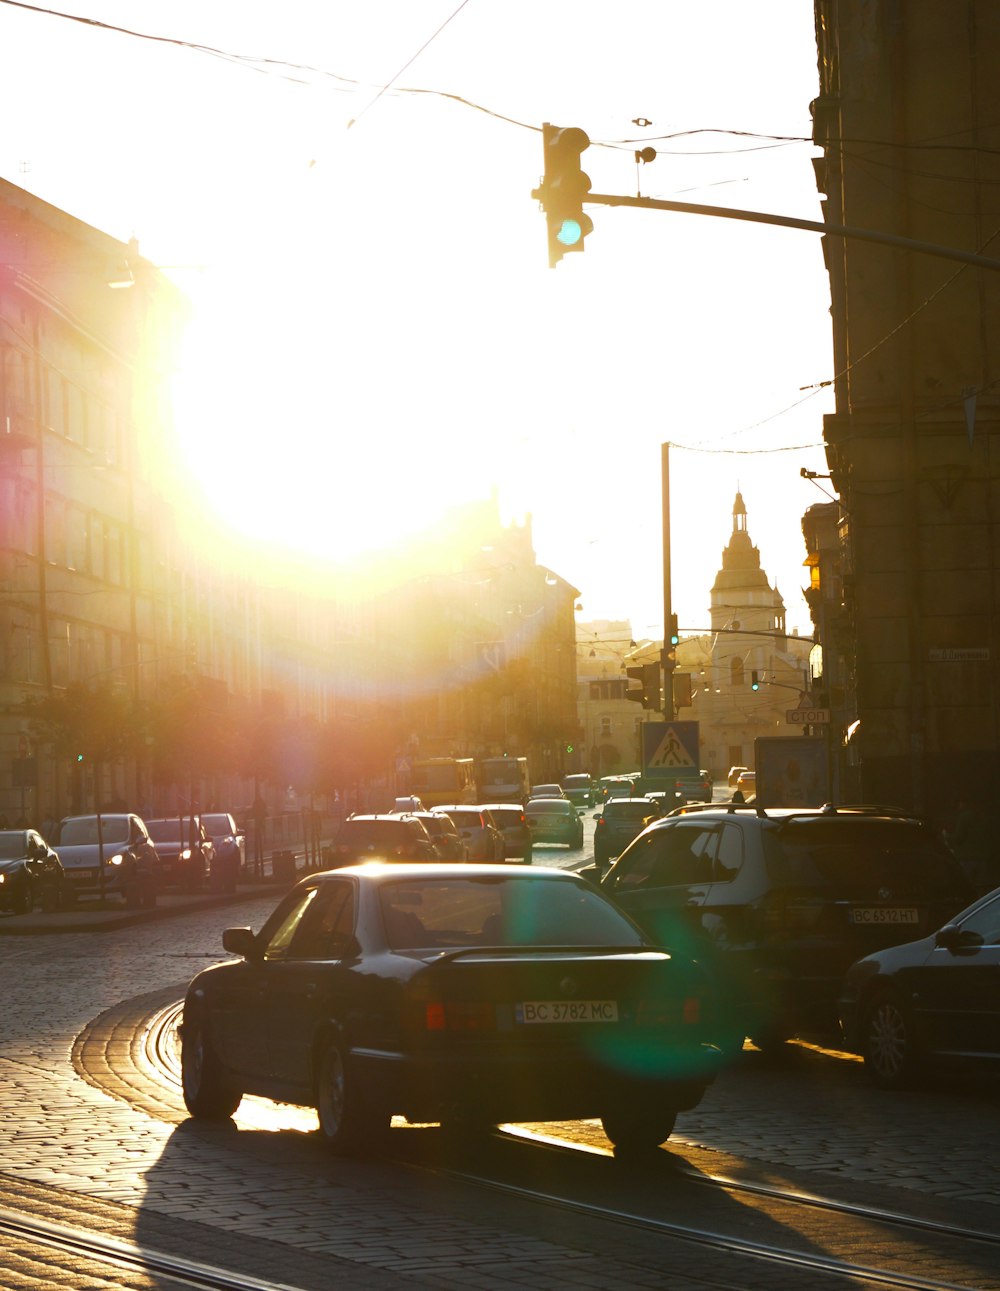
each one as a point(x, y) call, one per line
point(667, 657)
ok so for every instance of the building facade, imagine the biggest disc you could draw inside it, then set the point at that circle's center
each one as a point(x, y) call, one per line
point(908, 120)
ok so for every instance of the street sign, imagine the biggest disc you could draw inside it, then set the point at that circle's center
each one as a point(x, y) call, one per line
point(669, 747)
point(808, 717)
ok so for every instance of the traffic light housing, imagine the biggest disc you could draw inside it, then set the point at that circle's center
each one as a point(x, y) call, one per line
point(563, 189)
point(755, 680)
point(648, 677)
point(675, 635)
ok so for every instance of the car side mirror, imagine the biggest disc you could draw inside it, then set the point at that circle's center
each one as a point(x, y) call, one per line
point(240, 941)
point(952, 937)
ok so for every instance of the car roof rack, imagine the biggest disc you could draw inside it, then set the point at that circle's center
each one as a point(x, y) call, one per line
point(731, 808)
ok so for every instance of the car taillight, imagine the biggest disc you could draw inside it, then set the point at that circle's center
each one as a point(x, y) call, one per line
point(459, 1015)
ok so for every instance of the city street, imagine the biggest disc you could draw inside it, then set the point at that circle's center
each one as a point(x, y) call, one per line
point(94, 1130)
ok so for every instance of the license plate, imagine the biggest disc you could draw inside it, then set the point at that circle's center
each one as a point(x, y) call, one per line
point(548, 1011)
point(884, 914)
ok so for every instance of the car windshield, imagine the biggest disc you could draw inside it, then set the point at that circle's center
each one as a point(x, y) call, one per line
point(491, 911)
point(13, 843)
point(82, 831)
point(437, 825)
point(169, 830)
point(217, 824)
point(852, 853)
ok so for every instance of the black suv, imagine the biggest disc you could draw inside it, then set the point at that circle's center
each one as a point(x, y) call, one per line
point(781, 902)
point(382, 838)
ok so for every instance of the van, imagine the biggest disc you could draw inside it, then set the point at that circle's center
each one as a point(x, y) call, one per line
point(503, 779)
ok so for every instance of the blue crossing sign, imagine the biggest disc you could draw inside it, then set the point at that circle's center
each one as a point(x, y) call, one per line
point(668, 747)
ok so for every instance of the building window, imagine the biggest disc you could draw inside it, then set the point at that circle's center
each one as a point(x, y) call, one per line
point(605, 728)
point(736, 673)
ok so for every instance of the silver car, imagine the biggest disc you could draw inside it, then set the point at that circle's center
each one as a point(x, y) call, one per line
point(479, 830)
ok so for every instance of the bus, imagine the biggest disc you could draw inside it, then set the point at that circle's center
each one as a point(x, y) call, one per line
point(438, 781)
point(503, 779)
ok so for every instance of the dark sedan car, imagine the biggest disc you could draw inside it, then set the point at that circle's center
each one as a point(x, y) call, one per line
point(30, 872)
point(382, 837)
point(933, 1000)
point(471, 995)
point(185, 850)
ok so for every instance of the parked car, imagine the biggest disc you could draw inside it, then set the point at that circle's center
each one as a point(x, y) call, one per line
point(480, 832)
point(734, 775)
point(618, 822)
point(30, 872)
point(510, 819)
point(928, 1002)
point(230, 846)
point(546, 791)
point(449, 845)
point(779, 903)
point(472, 995)
point(554, 820)
point(185, 851)
point(382, 838)
point(579, 789)
point(108, 855)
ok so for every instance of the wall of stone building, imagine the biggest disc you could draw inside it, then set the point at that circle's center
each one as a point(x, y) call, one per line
point(913, 445)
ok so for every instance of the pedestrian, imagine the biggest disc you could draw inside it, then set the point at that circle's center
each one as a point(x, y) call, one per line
point(738, 796)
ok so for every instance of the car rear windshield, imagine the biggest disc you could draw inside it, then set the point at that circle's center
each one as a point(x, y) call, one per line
point(82, 831)
point(852, 854)
point(629, 809)
point(467, 819)
point(507, 816)
point(550, 806)
point(500, 912)
point(377, 831)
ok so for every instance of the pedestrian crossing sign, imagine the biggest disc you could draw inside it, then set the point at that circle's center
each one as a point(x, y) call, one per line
point(669, 746)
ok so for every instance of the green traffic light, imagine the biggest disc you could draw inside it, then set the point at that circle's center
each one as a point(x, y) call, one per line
point(569, 233)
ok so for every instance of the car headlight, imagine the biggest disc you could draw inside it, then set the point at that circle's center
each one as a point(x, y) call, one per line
point(3, 878)
point(117, 859)
point(185, 855)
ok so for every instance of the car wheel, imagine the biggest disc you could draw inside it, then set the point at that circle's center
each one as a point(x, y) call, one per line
point(770, 1041)
point(348, 1121)
point(208, 1095)
point(24, 899)
point(527, 856)
point(51, 899)
point(133, 894)
point(888, 1043)
point(147, 893)
point(639, 1127)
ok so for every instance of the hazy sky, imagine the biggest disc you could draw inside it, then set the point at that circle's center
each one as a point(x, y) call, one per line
point(378, 333)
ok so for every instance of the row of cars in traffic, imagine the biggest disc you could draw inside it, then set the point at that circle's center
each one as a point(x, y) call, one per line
point(118, 854)
point(479, 993)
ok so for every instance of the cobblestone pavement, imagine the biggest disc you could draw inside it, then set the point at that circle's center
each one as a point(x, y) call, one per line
point(128, 1155)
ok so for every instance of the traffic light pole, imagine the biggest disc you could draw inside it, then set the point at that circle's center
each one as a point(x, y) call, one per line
point(792, 222)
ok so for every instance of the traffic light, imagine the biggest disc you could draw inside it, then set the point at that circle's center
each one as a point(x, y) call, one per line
point(563, 188)
point(755, 680)
point(648, 677)
point(675, 635)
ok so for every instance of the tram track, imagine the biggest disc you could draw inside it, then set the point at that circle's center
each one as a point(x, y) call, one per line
point(76, 1244)
point(953, 1242)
